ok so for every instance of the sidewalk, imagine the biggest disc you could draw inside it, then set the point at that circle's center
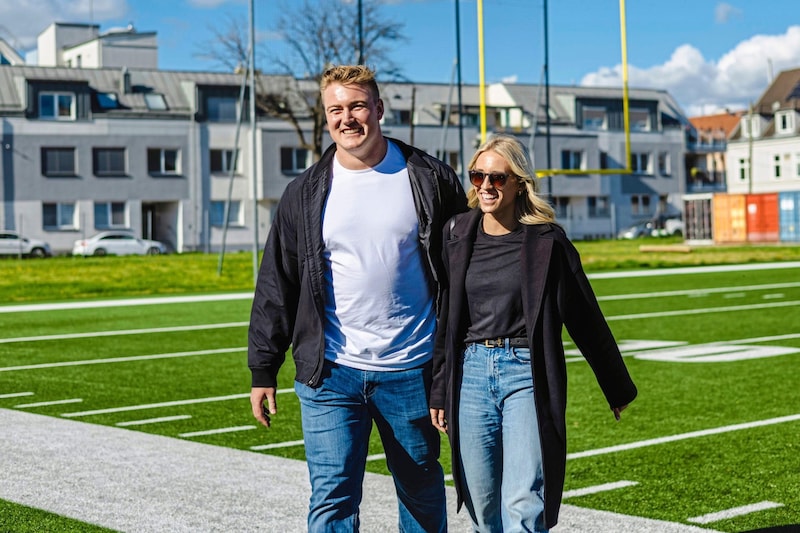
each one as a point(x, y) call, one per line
point(137, 482)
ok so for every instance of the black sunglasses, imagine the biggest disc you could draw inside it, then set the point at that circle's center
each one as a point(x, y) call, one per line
point(497, 179)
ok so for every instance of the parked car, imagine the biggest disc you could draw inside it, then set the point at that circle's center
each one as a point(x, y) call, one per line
point(640, 229)
point(117, 243)
point(12, 243)
point(664, 227)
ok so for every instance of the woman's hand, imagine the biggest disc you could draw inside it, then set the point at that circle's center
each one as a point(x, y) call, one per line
point(438, 420)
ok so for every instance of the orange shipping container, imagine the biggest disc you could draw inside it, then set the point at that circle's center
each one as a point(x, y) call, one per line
point(730, 220)
point(763, 218)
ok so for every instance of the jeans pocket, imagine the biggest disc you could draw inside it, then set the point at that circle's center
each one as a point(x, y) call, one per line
point(522, 355)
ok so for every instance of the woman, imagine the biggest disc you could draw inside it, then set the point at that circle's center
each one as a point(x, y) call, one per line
point(515, 280)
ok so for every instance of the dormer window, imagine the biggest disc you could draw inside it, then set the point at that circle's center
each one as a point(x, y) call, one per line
point(56, 106)
point(785, 122)
point(751, 126)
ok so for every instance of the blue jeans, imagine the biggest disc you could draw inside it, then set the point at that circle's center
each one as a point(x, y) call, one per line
point(499, 444)
point(337, 422)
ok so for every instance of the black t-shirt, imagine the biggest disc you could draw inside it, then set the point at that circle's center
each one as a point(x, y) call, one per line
point(494, 287)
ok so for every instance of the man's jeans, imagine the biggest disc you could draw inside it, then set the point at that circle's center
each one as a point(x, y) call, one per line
point(337, 421)
point(499, 440)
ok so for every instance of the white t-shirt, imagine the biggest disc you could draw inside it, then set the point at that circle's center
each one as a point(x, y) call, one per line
point(379, 311)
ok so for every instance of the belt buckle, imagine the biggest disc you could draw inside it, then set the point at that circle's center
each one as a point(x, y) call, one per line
point(494, 343)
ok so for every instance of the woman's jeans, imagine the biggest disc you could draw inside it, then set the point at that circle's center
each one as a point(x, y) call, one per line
point(501, 456)
point(337, 421)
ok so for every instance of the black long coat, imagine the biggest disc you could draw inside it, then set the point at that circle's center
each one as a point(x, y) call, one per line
point(555, 293)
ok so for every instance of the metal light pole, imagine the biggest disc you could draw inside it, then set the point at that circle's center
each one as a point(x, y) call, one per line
point(254, 159)
point(460, 106)
point(547, 106)
point(360, 34)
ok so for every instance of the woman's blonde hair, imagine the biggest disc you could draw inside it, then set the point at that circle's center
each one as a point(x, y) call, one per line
point(530, 208)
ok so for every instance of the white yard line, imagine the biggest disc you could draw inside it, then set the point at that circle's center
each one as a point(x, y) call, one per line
point(216, 431)
point(83, 362)
point(734, 512)
point(45, 404)
point(15, 395)
point(92, 334)
point(684, 436)
point(599, 488)
point(125, 302)
point(274, 445)
point(153, 420)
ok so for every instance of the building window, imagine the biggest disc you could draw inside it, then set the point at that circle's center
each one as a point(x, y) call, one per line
point(572, 160)
point(640, 204)
point(751, 126)
point(110, 215)
point(744, 169)
point(222, 161)
point(784, 122)
point(162, 161)
point(294, 160)
point(451, 158)
point(603, 160)
point(107, 101)
point(217, 213)
point(598, 206)
point(222, 108)
point(560, 205)
point(594, 118)
point(797, 164)
point(58, 216)
point(58, 162)
point(777, 166)
point(108, 161)
point(155, 102)
point(640, 163)
point(664, 166)
point(639, 119)
point(57, 106)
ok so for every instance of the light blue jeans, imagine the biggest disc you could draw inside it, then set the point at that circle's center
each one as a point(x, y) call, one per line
point(337, 422)
point(499, 445)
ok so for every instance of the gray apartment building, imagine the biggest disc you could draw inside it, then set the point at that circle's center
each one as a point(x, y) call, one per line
point(90, 142)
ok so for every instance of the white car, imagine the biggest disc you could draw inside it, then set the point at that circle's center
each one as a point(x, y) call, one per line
point(117, 243)
point(12, 243)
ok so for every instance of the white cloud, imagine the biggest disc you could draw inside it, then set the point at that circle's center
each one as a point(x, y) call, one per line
point(724, 12)
point(700, 84)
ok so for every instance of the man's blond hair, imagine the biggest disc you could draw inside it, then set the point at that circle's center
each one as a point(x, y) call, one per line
point(350, 75)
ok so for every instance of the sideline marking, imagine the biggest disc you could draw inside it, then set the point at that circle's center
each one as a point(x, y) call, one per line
point(683, 436)
point(120, 359)
point(216, 431)
point(45, 404)
point(15, 395)
point(126, 302)
point(683, 312)
point(697, 292)
point(91, 334)
point(598, 488)
point(153, 420)
point(693, 270)
point(734, 512)
point(274, 445)
point(165, 404)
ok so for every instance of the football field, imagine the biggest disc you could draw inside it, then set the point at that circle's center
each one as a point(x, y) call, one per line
point(711, 441)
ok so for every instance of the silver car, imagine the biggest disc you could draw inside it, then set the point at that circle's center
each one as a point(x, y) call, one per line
point(12, 243)
point(117, 243)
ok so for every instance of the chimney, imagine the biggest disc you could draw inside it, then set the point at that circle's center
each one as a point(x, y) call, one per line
point(125, 81)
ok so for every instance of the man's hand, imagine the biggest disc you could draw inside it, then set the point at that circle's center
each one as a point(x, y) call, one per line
point(261, 412)
point(438, 420)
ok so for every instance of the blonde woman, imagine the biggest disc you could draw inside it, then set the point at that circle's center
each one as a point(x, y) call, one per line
point(499, 392)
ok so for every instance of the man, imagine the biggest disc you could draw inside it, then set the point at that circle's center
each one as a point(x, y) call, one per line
point(351, 279)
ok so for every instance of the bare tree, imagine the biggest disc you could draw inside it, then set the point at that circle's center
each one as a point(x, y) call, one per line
point(317, 35)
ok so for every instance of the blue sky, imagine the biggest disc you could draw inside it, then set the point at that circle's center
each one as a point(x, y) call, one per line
point(708, 54)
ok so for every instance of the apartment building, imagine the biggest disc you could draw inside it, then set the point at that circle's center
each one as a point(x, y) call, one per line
point(115, 146)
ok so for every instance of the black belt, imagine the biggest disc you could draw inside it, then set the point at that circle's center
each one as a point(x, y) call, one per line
point(514, 342)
